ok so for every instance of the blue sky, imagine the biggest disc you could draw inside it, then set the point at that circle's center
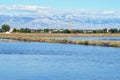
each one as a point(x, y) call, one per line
point(89, 9)
point(68, 4)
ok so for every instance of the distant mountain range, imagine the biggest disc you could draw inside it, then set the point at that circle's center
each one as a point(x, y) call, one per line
point(62, 20)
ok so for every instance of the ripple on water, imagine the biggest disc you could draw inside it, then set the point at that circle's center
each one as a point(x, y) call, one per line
point(53, 61)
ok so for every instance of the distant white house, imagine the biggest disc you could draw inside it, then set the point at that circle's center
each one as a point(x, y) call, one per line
point(106, 30)
point(7, 32)
point(10, 31)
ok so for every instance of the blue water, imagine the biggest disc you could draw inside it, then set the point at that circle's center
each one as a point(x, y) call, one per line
point(51, 61)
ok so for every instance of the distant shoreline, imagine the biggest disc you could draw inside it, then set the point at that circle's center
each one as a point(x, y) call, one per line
point(37, 37)
point(62, 34)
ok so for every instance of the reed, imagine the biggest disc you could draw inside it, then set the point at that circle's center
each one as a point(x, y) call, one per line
point(40, 38)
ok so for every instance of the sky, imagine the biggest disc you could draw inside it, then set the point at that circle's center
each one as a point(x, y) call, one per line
point(68, 4)
point(23, 7)
point(109, 9)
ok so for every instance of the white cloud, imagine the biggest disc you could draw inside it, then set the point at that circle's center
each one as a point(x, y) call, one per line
point(25, 8)
point(21, 9)
point(108, 12)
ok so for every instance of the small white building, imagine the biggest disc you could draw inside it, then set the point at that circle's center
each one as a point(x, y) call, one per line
point(7, 32)
point(10, 31)
point(106, 30)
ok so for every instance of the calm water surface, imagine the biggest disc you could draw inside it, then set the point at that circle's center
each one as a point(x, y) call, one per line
point(51, 61)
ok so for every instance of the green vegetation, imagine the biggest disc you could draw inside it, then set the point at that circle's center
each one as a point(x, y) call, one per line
point(5, 27)
point(46, 30)
point(114, 30)
point(98, 31)
point(25, 30)
point(73, 31)
point(0, 30)
point(66, 31)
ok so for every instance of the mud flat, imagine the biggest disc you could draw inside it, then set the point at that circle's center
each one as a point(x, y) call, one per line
point(35, 37)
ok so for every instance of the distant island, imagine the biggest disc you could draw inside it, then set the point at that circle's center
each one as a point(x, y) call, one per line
point(26, 34)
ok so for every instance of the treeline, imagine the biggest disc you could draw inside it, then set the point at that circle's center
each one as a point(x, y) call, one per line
point(113, 30)
point(6, 28)
point(22, 30)
point(27, 30)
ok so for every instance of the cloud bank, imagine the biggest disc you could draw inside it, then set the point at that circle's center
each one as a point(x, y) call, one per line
point(45, 17)
point(46, 10)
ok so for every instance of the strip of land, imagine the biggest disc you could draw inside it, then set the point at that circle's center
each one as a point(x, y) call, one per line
point(37, 37)
point(60, 35)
